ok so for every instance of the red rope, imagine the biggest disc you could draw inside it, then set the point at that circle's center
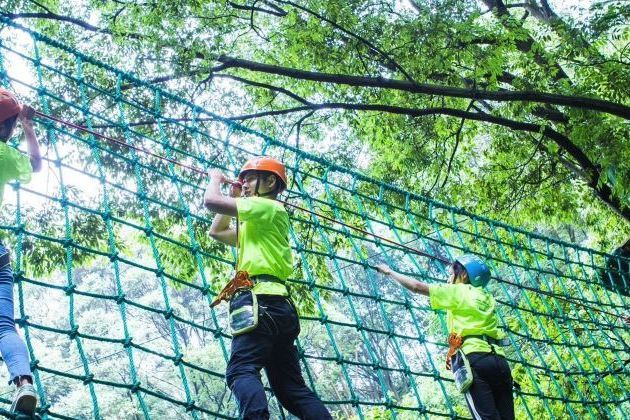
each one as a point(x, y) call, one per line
point(122, 143)
point(236, 183)
point(330, 219)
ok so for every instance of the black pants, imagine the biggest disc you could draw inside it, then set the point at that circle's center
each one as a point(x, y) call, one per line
point(270, 346)
point(490, 396)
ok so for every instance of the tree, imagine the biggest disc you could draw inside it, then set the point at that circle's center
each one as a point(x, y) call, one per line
point(505, 108)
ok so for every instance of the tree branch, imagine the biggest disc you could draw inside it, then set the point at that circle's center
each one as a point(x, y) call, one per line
point(54, 16)
point(524, 45)
point(457, 140)
point(265, 86)
point(61, 18)
point(38, 4)
point(603, 191)
point(390, 62)
point(546, 112)
point(612, 372)
point(299, 127)
point(422, 88)
point(163, 79)
point(276, 12)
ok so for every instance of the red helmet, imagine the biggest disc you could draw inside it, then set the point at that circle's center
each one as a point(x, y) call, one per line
point(266, 164)
point(9, 105)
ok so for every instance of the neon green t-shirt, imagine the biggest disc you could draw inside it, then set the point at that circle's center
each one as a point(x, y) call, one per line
point(13, 165)
point(469, 311)
point(263, 242)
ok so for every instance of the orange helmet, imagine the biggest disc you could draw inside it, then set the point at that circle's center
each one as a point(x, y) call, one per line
point(9, 105)
point(266, 164)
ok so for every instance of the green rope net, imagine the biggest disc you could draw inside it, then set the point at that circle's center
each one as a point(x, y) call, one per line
point(115, 272)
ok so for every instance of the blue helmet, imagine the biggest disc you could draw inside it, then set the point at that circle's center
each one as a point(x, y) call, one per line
point(478, 272)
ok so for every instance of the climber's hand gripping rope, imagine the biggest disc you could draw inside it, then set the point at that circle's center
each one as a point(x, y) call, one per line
point(235, 186)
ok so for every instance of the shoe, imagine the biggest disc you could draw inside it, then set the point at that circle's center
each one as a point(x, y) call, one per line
point(25, 400)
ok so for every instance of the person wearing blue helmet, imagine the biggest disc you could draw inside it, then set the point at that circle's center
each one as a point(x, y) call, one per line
point(475, 355)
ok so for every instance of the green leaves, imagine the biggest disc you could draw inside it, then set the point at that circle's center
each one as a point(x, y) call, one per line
point(452, 43)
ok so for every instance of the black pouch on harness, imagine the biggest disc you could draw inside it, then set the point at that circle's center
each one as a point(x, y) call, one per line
point(243, 312)
point(462, 372)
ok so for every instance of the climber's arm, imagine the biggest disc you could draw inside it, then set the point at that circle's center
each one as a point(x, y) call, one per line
point(406, 281)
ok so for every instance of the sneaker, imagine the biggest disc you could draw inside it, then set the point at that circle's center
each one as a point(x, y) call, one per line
point(25, 400)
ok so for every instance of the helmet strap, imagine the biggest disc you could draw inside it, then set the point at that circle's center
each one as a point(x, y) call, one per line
point(256, 193)
point(8, 127)
point(257, 184)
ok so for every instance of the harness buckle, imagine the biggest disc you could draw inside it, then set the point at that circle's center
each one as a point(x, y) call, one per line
point(241, 280)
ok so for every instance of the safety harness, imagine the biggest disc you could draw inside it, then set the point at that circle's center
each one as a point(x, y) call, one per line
point(455, 342)
point(492, 341)
point(243, 311)
point(241, 280)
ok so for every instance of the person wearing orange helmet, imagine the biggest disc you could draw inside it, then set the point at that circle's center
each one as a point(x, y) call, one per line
point(263, 320)
point(15, 166)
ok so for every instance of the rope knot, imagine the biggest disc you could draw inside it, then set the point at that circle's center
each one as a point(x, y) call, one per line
point(178, 359)
point(69, 289)
point(18, 276)
point(73, 332)
point(44, 409)
point(135, 387)
point(190, 406)
point(22, 322)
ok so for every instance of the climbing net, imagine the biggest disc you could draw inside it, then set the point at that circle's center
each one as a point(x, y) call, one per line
point(114, 269)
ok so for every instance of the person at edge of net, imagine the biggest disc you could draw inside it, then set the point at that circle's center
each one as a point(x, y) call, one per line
point(263, 320)
point(14, 165)
point(475, 355)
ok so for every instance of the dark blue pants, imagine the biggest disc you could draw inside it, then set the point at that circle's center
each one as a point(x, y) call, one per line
point(490, 396)
point(270, 346)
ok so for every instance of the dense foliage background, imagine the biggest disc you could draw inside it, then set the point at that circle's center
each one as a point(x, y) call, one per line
point(402, 84)
point(510, 110)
